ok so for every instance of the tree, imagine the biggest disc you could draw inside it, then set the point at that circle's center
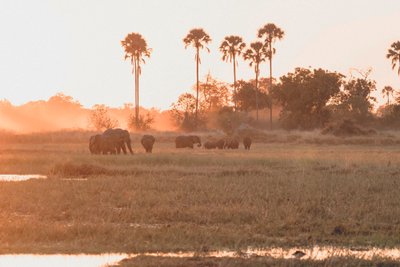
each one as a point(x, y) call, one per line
point(387, 91)
point(355, 101)
point(184, 110)
point(231, 47)
point(136, 49)
point(394, 55)
point(213, 94)
point(304, 95)
point(61, 99)
point(271, 33)
point(198, 38)
point(142, 123)
point(255, 55)
point(100, 119)
point(244, 96)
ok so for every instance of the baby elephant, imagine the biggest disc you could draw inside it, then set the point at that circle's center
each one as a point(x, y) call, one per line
point(148, 142)
point(247, 142)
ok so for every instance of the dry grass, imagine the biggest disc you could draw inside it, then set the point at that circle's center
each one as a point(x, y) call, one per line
point(273, 195)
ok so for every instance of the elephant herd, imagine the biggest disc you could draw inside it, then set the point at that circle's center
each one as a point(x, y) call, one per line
point(113, 141)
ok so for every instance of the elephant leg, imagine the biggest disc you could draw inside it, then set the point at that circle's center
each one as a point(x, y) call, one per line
point(123, 147)
point(118, 148)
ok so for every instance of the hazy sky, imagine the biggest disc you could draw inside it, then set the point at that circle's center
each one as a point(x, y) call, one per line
point(73, 46)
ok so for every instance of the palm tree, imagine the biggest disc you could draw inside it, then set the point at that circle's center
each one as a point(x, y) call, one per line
point(255, 55)
point(271, 33)
point(136, 49)
point(231, 47)
point(387, 91)
point(198, 38)
point(394, 55)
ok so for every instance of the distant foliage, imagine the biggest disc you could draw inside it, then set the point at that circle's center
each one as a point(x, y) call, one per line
point(229, 121)
point(245, 96)
point(390, 115)
point(184, 112)
point(100, 119)
point(143, 123)
point(355, 101)
point(304, 95)
point(213, 94)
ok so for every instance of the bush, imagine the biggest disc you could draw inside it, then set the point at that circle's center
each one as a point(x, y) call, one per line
point(227, 120)
point(346, 128)
point(82, 170)
point(143, 124)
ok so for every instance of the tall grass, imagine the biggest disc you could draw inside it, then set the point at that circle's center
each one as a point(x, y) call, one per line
point(272, 195)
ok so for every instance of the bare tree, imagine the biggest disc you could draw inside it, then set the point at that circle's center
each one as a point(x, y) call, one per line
point(100, 119)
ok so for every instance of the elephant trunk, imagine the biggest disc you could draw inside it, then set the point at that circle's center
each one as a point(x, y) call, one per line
point(128, 144)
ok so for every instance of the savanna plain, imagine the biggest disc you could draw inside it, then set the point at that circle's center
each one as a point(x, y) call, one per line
point(289, 190)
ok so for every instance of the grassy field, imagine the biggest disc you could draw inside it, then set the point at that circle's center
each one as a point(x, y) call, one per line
point(276, 194)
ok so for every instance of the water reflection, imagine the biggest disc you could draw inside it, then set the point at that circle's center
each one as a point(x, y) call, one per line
point(311, 253)
point(19, 177)
point(83, 260)
point(31, 260)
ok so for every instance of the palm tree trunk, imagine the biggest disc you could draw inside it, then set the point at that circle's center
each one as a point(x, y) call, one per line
point(270, 86)
point(137, 94)
point(257, 92)
point(197, 84)
point(234, 80)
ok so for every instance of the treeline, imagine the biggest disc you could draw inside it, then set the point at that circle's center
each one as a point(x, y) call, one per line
point(304, 99)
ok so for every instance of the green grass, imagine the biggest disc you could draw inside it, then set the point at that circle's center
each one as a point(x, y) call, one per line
point(273, 195)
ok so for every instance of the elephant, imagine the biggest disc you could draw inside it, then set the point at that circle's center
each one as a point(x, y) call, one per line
point(148, 142)
point(187, 141)
point(100, 145)
point(220, 143)
point(119, 138)
point(232, 144)
point(210, 145)
point(94, 144)
point(247, 142)
point(214, 144)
